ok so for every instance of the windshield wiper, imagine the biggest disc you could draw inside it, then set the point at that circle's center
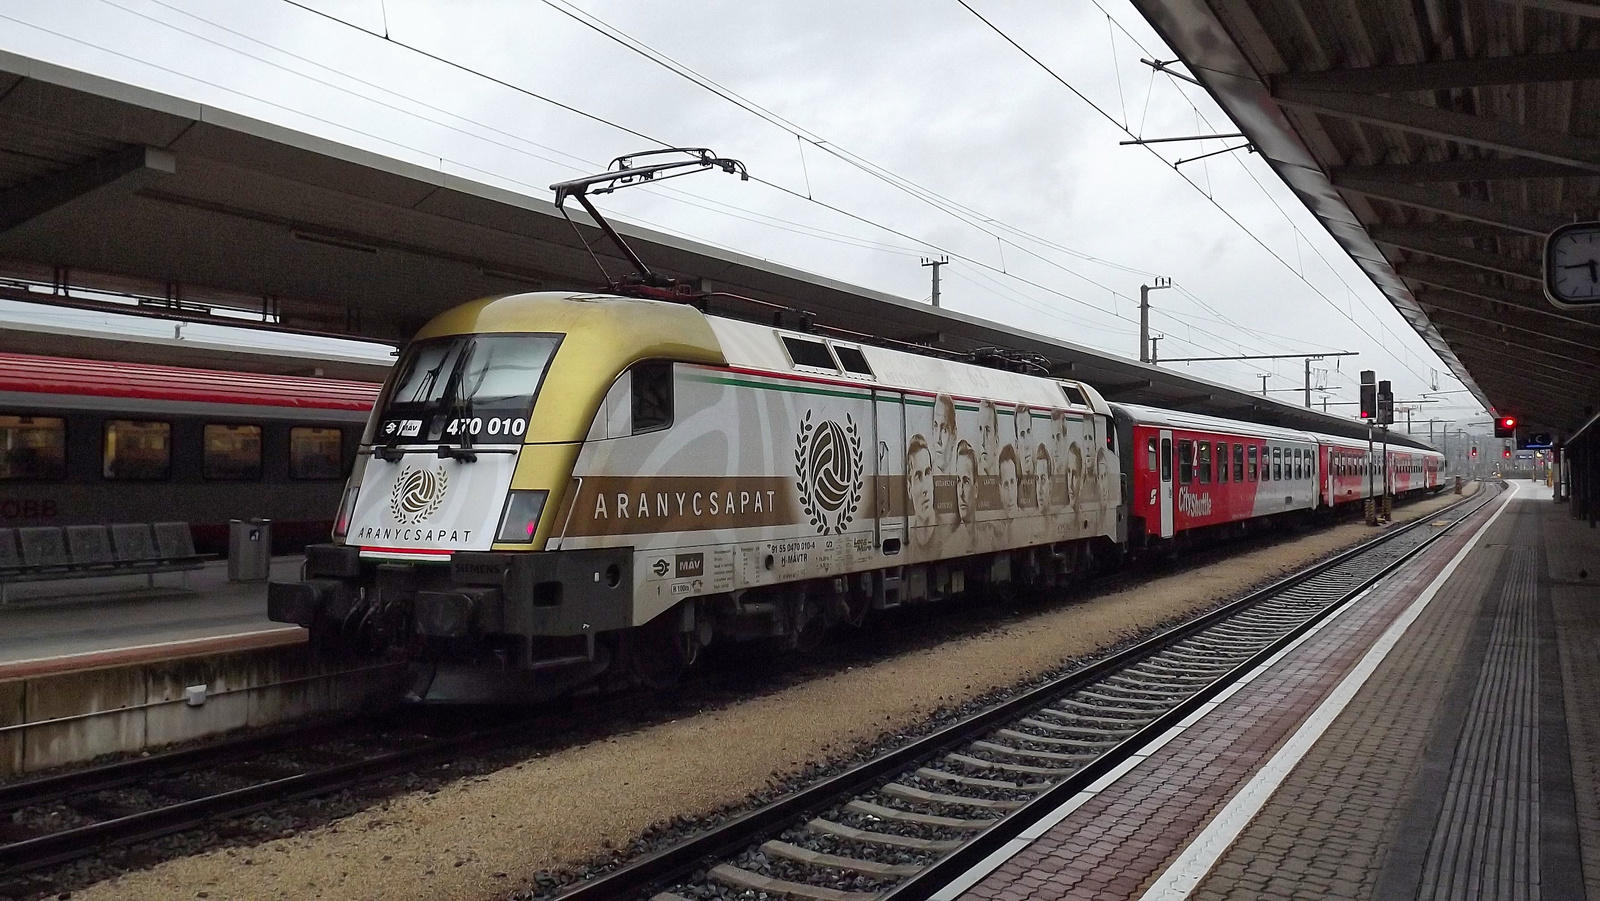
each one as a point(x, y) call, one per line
point(461, 410)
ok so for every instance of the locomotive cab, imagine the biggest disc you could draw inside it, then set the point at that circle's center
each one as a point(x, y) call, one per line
point(438, 551)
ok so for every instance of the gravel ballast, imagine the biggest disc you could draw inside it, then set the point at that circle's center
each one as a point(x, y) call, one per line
point(489, 835)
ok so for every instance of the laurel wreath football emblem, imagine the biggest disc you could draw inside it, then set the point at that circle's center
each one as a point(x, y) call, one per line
point(417, 494)
point(827, 464)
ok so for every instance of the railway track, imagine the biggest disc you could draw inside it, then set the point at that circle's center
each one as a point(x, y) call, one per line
point(1009, 760)
point(49, 821)
point(908, 822)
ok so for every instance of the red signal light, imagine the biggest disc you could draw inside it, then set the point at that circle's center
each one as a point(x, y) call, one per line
point(1506, 453)
point(1505, 427)
point(1508, 422)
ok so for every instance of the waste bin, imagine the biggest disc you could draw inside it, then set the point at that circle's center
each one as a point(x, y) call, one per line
point(249, 550)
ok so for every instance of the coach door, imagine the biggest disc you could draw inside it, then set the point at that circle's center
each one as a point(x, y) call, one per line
point(1166, 484)
point(888, 470)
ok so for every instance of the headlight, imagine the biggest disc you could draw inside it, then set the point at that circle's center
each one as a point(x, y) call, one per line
point(521, 518)
point(347, 509)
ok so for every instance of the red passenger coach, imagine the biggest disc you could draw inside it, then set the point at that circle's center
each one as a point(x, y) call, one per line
point(1347, 479)
point(1192, 472)
point(85, 442)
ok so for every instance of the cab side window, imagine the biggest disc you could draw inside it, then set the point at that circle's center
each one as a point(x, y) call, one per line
point(652, 396)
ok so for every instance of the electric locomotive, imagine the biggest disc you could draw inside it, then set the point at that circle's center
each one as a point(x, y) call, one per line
point(561, 489)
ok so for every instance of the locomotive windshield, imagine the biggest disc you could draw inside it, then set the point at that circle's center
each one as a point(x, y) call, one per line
point(471, 388)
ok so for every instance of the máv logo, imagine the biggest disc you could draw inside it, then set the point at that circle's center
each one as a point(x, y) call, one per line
point(417, 494)
point(827, 461)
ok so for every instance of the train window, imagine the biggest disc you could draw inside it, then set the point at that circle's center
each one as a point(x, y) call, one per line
point(1222, 461)
point(853, 360)
point(1238, 463)
point(814, 354)
point(1074, 395)
point(1205, 463)
point(231, 452)
point(1185, 462)
point(1150, 448)
point(1166, 459)
point(467, 388)
point(1294, 464)
point(35, 448)
point(137, 450)
point(316, 453)
point(1277, 464)
point(1252, 468)
point(652, 396)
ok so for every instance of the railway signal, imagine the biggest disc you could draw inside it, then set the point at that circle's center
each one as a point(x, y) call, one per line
point(1505, 427)
point(1369, 394)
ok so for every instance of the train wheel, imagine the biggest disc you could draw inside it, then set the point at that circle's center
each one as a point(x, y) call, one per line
point(811, 626)
point(660, 653)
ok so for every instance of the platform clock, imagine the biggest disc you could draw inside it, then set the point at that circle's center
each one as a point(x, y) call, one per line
point(1572, 265)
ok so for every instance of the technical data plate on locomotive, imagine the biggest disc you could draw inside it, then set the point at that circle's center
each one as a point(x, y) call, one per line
point(681, 573)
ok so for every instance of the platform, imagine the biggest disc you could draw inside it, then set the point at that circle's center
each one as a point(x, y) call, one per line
point(111, 619)
point(1437, 739)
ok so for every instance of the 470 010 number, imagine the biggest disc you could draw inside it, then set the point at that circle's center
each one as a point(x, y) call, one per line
point(510, 426)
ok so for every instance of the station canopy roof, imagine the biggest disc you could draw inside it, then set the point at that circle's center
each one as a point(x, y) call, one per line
point(1438, 143)
point(200, 212)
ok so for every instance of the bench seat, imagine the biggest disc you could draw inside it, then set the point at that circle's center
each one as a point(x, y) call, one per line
point(54, 553)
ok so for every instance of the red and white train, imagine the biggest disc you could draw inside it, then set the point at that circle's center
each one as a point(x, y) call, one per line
point(88, 441)
point(1191, 472)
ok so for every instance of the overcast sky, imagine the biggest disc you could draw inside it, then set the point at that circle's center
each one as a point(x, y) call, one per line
point(1049, 224)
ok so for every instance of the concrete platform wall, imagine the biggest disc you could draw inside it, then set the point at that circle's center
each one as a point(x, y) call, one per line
point(52, 719)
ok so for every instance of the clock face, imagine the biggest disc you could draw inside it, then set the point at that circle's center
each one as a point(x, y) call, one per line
point(1572, 265)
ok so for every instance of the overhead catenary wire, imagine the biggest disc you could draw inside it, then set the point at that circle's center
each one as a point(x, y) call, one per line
point(805, 136)
point(1252, 176)
point(1231, 217)
point(701, 203)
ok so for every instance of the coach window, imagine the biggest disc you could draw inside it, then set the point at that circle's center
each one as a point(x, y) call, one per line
point(1299, 466)
point(231, 452)
point(1277, 464)
point(1222, 461)
point(1205, 463)
point(1238, 463)
point(316, 453)
point(34, 447)
point(1150, 448)
point(1251, 471)
point(652, 396)
point(1185, 462)
point(137, 450)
